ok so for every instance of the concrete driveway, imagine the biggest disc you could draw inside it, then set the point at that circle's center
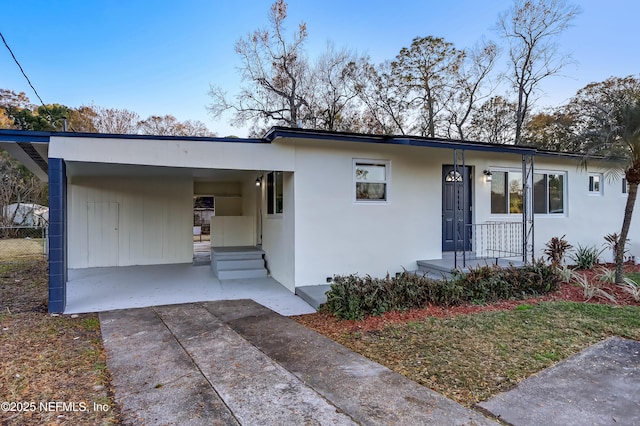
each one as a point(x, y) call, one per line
point(237, 362)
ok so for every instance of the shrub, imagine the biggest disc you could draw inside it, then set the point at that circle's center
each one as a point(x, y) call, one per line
point(631, 287)
point(566, 273)
point(492, 283)
point(592, 289)
point(353, 297)
point(611, 241)
point(555, 250)
point(586, 257)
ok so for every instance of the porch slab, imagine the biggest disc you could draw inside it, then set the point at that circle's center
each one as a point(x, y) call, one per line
point(105, 289)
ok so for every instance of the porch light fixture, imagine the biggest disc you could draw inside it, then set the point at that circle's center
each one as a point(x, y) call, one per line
point(258, 180)
point(487, 175)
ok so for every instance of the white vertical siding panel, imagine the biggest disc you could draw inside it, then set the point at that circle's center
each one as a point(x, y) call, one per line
point(155, 217)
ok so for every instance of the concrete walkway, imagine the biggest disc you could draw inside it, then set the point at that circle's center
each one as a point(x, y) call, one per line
point(598, 386)
point(237, 362)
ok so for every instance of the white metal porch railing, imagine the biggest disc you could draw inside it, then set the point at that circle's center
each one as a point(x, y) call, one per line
point(496, 239)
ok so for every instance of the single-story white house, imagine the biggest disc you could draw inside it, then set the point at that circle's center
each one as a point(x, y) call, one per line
point(27, 214)
point(317, 203)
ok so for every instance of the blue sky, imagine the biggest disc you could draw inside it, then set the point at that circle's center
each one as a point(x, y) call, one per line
point(160, 57)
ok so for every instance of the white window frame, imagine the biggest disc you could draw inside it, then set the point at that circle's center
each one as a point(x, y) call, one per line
point(590, 182)
point(386, 181)
point(507, 200)
point(565, 191)
point(274, 213)
point(625, 187)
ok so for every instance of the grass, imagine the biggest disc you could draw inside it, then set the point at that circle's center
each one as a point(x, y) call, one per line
point(17, 249)
point(470, 358)
point(48, 358)
point(635, 276)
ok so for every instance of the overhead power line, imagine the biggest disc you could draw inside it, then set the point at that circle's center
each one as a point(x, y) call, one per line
point(26, 77)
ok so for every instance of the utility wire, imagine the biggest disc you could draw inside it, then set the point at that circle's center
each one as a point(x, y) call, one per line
point(25, 76)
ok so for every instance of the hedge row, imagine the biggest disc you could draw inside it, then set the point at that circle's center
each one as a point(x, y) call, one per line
point(353, 297)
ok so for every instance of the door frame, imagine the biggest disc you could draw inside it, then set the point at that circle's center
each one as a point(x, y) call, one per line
point(466, 186)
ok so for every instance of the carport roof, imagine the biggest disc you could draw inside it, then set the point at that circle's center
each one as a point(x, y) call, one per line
point(29, 148)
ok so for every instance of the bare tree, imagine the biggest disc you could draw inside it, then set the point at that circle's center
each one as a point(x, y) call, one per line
point(386, 106)
point(493, 121)
point(470, 87)
point(332, 96)
point(17, 185)
point(168, 125)
point(276, 72)
point(116, 121)
point(531, 28)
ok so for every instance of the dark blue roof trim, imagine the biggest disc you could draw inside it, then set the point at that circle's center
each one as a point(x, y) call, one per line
point(155, 137)
point(12, 135)
point(284, 132)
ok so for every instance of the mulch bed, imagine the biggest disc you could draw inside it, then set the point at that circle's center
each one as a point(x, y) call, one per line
point(327, 324)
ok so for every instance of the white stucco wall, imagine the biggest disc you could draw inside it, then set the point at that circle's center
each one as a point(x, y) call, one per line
point(336, 235)
point(278, 236)
point(587, 217)
point(322, 230)
point(154, 221)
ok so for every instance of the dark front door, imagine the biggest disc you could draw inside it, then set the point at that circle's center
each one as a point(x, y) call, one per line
point(456, 208)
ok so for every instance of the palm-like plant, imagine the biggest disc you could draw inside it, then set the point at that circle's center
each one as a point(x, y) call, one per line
point(611, 131)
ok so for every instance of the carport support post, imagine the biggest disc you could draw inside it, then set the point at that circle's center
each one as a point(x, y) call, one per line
point(57, 235)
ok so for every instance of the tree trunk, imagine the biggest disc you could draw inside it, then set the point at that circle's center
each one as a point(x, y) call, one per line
point(626, 223)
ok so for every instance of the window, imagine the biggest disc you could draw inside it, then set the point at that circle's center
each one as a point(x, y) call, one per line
point(275, 197)
point(371, 180)
point(548, 193)
point(595, 184)
point(625, 186)
point(506, 192)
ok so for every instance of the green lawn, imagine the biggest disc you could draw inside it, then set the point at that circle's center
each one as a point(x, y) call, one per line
point(472, 357)
point(15, 249)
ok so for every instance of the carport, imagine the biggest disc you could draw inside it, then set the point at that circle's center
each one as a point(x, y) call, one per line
point(121, 215)
point(105, 289)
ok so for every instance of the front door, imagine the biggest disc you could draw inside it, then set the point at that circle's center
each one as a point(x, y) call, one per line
point(456, 208)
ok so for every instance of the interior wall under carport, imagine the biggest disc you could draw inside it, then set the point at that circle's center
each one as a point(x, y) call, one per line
point(129, 220)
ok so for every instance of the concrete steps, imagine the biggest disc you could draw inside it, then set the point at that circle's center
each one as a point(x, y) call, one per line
point(314, 295)
point(444, 268)
point(232, 263)
point(435, 270)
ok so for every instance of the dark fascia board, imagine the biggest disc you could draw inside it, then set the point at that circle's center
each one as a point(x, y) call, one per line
point(285, 132)
point(31, 136)
point(155, 137)
point(13, 135)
